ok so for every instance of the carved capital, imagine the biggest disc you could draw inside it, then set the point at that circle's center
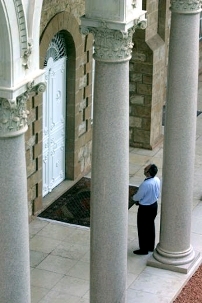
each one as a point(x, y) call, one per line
point(36, 89)
point(13, 116)
point(13, 113)
point(112, 45)
point(186, 6)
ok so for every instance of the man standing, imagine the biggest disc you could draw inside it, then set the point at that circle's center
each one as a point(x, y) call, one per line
point(146, 197)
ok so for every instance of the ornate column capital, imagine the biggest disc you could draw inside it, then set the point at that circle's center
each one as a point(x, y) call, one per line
point(186, 6)
point(112, 45)
point(13, 112)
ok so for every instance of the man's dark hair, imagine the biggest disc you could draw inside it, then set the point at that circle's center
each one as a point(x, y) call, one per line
point(153, 170)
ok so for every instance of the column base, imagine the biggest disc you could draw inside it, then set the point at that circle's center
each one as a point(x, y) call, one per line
point(183, 268)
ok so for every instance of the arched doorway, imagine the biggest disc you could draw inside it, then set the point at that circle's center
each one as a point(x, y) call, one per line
point(54, 114)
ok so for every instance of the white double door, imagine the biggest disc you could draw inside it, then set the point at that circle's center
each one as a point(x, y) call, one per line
point(54, 113)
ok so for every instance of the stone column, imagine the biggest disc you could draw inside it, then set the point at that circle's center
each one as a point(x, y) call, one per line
point(110, 171)
point(14, 235)
point(110, 158)
point(174, 250)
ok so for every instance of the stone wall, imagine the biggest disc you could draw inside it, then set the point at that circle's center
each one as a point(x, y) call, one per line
point(148, 77)
point(50, 8)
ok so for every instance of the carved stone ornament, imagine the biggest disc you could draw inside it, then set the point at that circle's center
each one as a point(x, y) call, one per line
point(26, 56)
point(186, 6)
point(13, 116)
point(13, 113)
point(36, 89)
point(111, 45)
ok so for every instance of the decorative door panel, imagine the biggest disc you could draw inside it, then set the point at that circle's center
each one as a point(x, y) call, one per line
point(54, 125)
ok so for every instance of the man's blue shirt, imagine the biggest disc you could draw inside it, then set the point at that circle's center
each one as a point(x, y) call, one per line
point(148, 192)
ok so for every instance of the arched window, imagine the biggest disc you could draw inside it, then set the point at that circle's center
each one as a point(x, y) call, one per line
point(56, 49)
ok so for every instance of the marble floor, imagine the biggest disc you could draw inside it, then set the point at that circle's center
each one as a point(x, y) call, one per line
point(60, 252)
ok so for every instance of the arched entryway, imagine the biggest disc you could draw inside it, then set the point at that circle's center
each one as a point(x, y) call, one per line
point(54, 114)
point(78, 130)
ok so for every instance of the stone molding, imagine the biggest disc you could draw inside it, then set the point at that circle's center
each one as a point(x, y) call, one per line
point(174, 258)
point(25, 43)
point(21, 25)
point(111, 45)
point(13, 112)
point(186, 6)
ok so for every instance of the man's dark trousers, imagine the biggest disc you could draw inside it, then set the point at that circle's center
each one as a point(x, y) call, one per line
point(146, 227)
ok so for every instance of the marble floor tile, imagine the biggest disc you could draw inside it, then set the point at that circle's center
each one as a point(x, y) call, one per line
point(71, 251)
point(131, 278)
point(83, 300)
point(151, 283)
point(43, 244)
point(37, 225)
point(197, 211)
point(138, 159)
point(56, 231)
point(57, 264)
point(36, 257)
point(136, 264)
point(80, 270)
point(37, 293)
point(148, 152)
point(72, 286)
point(135, 296)
point(44, 278)
point(86, 257)
point(196, 241)
point(79, 236)
point(197, 225)
point(132, 233)
point(59, 297)
point(134, 168)
point(132, 220)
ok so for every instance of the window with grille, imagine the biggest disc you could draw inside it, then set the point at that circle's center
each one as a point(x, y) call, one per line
point(56, 48)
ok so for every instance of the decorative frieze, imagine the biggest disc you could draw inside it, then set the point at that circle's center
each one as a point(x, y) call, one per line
point(186, 6)
point(13, 113)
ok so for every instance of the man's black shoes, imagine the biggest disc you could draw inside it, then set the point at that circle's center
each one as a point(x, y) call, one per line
point(140, 252)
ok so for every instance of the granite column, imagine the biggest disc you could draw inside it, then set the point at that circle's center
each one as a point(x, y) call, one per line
point(174, 250)
point(14, 229)
point(110, 158)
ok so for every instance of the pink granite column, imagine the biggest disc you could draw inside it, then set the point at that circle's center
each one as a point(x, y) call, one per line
point(14, 228)
point(14, 236)
point(110, 164)
point(174, 250)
